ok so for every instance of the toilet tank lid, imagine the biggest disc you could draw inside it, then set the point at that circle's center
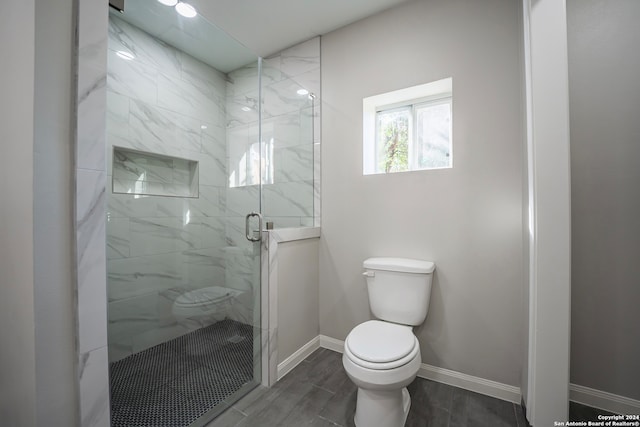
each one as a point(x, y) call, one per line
point(405, 265)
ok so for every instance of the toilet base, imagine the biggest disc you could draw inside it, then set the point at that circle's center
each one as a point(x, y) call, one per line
point(382, 408)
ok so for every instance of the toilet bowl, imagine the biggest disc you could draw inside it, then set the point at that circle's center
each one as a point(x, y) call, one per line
point(205, 306)
point(381, 359)
point(382, 356)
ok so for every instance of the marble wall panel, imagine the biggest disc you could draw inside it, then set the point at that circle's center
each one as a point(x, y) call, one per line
point(91, 253)
point(152, 129)
point(241, 264)
point(135, 276)
point(214, 138)
point(91, 117)
point(210, 203)
point(245, 79)
point(117, 115)
point(131, 316)
point(123, 205)
point(90, 186)
point(289, 199)
point(294, 164)
point(94, 388)
point(242, 200)
point(301, 58)
point(242, 109)
point(203, 77)
point(132, 78)
point(118, 240)
point(213, 170)
point(282, 97)
point(271, 70)
point(176, 95)
point(138, 323)
point(150, 236)
point(145, 48)
point(309, 80)
point(235, 230)
point(212, 231)
point(203, 268)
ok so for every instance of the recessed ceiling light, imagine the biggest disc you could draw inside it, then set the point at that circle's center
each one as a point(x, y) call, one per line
point(203, 127)
point(186, 10)
point(302, 92)
point(168, 2)
point(125, 55)
point(246, 109)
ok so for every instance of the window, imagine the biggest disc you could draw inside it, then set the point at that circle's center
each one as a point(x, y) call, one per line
point(408, 129)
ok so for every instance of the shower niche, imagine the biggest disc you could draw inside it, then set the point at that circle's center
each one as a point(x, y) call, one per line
point(149, 174)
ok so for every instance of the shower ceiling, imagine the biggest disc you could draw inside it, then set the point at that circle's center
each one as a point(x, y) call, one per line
point(195, 36)
point(264, 27)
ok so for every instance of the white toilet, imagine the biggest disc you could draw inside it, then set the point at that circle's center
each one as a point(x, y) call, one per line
point(382, 356)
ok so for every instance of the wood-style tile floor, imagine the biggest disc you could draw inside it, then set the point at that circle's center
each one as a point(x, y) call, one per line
point(318, 393)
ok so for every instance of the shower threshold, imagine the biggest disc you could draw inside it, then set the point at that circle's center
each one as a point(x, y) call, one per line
point(186, 381)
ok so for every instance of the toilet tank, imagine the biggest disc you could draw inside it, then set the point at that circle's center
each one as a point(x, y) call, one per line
point(399, 289)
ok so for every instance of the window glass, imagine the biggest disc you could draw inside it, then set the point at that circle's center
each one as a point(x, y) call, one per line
point(433, 136)
point(408, 129)
point(393, 140)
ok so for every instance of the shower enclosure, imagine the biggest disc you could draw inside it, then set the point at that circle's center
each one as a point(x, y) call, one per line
point(203, 137)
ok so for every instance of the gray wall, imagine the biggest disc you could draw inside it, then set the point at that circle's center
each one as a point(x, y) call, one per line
point(468, 219)
point(36, 293)
point(297, 295)
point(17, 358)
point(604, 66)
point(53, 215)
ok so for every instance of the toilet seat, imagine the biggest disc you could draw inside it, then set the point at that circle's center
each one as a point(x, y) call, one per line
point(379, 345)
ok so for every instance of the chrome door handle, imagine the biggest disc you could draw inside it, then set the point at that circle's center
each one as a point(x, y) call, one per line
point(249, 236)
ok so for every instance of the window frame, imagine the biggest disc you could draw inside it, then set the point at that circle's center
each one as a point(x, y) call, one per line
point(415, 97)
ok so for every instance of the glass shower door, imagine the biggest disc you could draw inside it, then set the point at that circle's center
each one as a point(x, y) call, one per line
point(183, 279)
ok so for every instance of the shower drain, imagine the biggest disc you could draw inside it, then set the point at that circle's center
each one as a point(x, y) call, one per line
point(175, 383)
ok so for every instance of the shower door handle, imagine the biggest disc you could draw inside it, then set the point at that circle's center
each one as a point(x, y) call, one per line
point(250, 236)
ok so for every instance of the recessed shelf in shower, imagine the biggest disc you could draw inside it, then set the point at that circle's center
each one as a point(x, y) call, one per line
point(151, 174)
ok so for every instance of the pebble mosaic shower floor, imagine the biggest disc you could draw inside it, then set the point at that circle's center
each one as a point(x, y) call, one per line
point(175, 383)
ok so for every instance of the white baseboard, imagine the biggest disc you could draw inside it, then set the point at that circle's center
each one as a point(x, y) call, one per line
point(331, 344)
point(468, 382)
point(603, 400)
point(298, 356)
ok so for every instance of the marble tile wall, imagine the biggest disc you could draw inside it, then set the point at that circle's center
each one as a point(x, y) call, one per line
point(90, 183)
point(164, 102)
point(290, 133)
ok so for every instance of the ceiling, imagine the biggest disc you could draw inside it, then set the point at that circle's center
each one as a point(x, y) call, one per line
point(245, 29)
point(268, 26)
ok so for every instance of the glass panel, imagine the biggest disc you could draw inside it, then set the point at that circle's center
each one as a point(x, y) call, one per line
point(393, 140)
point(433, 132)
point(288, 138)
point(183, 281)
